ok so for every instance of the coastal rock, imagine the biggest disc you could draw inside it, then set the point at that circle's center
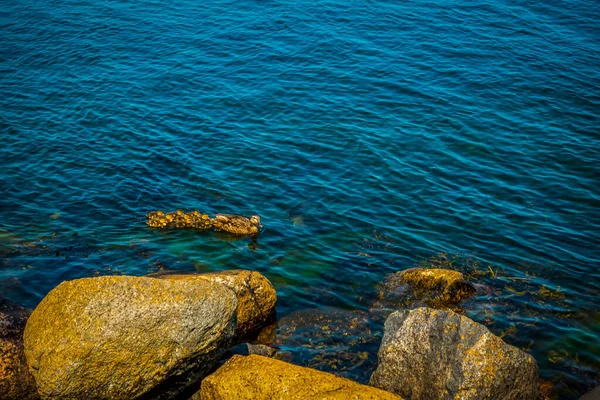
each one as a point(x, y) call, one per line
point(593, 394)
point(124, 337)
point(255, 295)
point(15, 380)
point(257, 377)
point(329, 339)
point(261, 350)
point(433, 354)
point(438, 288)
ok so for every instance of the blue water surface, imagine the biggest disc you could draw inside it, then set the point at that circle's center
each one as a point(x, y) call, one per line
point(367, 134)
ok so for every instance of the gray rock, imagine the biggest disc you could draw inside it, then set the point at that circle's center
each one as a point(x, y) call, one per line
point(434, 354)
point(15, 380)
point(261, 350)
point(255, 295)
point(593, 394)
point(124, 337)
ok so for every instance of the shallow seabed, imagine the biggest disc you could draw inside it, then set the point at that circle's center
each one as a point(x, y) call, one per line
point(368, 135)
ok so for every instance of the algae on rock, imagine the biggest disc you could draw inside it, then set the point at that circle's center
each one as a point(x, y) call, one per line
point(444, 286)
point(434, 287)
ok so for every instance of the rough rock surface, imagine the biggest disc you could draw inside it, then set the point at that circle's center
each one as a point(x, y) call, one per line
point(261, 350)
point(451, 285)
point(124, 337)
point(15, 380)
point(433, 354)
point(437, 288)
point(255, 294)
point(257, 377)
point(593, 394)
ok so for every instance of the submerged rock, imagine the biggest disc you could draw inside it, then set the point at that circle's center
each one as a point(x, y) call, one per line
point(433, 354)
point(255, 295)
point(437, 288)
point(15, 380)
point(443, 285)
point(328, 339)
point(127, 337)
point(257, 377)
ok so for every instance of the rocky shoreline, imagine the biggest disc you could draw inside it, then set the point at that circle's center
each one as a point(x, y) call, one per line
point(169, 335)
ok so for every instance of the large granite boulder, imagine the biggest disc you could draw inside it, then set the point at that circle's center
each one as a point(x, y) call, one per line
point(124, 337)
point(257, 377)
point(433, 354)
point(255, 294)
point(16, 383)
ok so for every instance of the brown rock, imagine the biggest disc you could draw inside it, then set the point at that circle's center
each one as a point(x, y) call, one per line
point(438, 288)
point(257, 377)
point(124, 337)
point(255, 294)
point(432, 354)
point(546, 389)
point(15, 380)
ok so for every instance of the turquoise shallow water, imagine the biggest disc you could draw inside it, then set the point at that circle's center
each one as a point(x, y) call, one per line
point(368, 135)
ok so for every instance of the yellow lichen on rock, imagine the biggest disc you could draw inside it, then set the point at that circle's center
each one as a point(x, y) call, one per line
point(257, 377)
point(122, 337)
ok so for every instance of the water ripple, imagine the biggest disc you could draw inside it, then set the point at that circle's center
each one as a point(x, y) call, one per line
point(390, 129)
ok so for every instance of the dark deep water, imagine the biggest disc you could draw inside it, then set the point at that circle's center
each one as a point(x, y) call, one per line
point(367, 134)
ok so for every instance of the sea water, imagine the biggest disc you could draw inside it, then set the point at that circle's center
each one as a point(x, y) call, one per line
point(368, 135)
